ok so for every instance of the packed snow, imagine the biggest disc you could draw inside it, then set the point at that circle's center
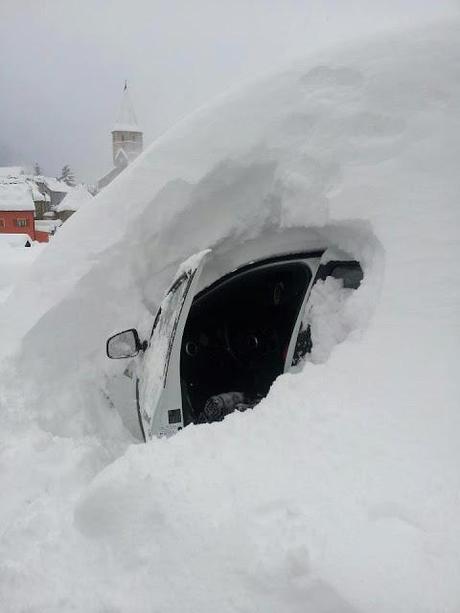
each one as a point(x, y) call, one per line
point(330, 315)
point(338, 492)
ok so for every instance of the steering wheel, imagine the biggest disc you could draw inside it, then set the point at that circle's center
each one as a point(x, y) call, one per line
point(250, 342)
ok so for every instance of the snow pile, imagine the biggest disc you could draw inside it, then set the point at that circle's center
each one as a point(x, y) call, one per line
point(76, 198)
point(339, 492)
point(328, 317)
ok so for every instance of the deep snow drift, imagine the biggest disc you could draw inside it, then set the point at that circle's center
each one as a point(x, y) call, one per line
point(340, 491)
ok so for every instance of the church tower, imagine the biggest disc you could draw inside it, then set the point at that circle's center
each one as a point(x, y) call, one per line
point(127, 138)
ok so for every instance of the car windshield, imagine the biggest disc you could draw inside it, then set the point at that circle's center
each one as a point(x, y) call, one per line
point(166, 321)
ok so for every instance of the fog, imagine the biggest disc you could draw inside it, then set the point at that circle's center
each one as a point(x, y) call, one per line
point(63, 62)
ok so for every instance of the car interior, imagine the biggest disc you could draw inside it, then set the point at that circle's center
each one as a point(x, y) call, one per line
point(236, 338)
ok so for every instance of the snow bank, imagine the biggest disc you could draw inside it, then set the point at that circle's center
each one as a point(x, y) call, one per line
point(15, 260)
point(339, 492)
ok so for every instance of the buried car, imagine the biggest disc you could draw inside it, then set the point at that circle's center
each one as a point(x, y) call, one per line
point(228, 326)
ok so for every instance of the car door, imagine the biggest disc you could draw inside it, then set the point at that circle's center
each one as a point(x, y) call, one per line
point(333, 263)
point(159, 385)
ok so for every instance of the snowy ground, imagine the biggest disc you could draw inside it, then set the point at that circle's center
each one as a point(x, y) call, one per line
point(340, 491)
point(14, 263)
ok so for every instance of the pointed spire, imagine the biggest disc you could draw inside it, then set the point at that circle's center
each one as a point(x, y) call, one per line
point(126, 121)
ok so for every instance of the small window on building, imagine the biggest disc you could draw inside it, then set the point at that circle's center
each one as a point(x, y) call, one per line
point(2, 223)
point(21, 223)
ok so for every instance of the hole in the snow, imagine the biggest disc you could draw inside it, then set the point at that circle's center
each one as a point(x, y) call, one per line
point(247, 311)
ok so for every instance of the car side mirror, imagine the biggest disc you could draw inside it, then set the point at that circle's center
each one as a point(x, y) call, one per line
point(125, 344)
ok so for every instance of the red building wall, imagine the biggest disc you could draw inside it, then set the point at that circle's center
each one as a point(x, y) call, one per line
point(10, 223)
point(42, 237)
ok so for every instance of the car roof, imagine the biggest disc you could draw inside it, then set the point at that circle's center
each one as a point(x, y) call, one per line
point(232, 255)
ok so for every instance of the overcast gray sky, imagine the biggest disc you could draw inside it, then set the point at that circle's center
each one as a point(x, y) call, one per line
point(63, 62)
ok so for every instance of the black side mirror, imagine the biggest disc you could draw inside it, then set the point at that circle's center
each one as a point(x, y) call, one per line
point(125, 344)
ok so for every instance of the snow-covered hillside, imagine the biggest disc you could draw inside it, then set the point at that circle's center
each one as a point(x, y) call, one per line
point(340, 491)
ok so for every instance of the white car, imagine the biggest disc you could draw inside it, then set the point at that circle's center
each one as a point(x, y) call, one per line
point(230, 323)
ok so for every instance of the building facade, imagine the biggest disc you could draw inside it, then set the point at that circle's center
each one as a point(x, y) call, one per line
point(17, 222)
point(17, 210)
point(53, 190)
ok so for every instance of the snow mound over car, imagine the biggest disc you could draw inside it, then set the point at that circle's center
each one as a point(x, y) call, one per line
point(339, 492)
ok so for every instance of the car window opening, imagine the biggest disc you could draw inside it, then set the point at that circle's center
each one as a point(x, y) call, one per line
point(236, 339)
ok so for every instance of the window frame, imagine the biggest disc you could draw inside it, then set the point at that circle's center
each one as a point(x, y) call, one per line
point(312, 259)
point(303, 343)
point(18, 222)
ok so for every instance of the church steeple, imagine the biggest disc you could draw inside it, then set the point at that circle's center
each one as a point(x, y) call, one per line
point(127, 138)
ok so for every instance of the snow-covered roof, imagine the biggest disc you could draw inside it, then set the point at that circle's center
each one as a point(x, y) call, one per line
point(14, 240)
point(37, 194)
point(109, 176)
point(11, 171)
point(78, 197)
point(126, 121)
point(30, 182)
point(16, 197)
point(54, 185)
